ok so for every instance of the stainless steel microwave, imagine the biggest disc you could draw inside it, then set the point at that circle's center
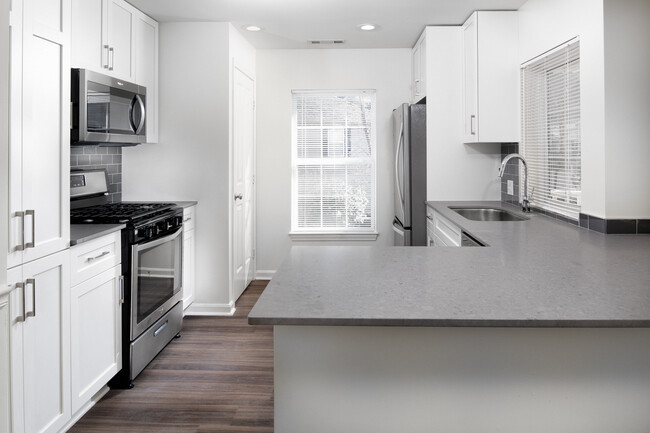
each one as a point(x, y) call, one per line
point(106, 111)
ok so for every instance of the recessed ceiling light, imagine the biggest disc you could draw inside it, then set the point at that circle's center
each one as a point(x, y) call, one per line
point(367, 27)
point(253, 28)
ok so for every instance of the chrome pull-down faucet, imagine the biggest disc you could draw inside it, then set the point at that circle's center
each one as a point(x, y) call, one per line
point(525, 204)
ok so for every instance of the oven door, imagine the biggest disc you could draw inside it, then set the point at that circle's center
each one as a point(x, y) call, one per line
point(155, 279)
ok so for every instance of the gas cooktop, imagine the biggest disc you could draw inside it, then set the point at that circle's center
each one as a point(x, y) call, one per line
point(118, 213)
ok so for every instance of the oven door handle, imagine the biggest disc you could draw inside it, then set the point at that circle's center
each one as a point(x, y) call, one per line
point(152, 244)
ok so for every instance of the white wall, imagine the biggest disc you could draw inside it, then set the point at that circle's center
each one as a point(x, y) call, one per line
point(455, 171)
point(545, 24)
point(388, 71)
point(627, 109)
point(192, 159)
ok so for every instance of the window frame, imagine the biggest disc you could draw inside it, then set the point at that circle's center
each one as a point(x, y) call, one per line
point(334, 233)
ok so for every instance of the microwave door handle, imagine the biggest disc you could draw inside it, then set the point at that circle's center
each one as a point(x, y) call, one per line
point(137, 129)
point(132, 114)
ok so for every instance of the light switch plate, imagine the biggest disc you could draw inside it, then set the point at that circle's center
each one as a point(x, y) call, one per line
point(511, 187)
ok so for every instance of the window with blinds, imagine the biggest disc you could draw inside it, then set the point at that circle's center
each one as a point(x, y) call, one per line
point(333, 162)
point(551, 129)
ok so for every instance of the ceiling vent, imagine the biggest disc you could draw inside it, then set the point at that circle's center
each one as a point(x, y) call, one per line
point(327, 42)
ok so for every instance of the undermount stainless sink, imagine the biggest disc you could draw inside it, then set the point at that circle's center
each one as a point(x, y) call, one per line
point(486, 214)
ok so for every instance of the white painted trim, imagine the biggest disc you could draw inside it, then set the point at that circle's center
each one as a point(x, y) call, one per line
point(340, 236)
point(210, 309)
point(264, 275)
point(85, 408)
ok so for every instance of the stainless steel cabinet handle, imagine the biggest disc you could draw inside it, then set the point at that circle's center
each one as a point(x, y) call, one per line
point(187, 219)
point(21, 245)
point(121, 289)
point(106, 50)
point(239, 196)
point(472, 118)
point(31, 281)
point(92, 259)
point(31, 212)
point(111, 53)
point(21, 286)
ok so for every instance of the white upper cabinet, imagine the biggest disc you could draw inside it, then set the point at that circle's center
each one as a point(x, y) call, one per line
point(101, 37)
point(491, 77)
point(118, 39)
point(419, 58)
point(39, 148)
point(87, 50)
point(145, 34)
point(114, 38)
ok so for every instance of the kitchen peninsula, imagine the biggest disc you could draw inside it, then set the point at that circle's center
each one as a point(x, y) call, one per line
point(547, 328)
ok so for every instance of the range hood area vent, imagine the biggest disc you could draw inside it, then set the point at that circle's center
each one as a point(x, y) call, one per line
point(327, 42)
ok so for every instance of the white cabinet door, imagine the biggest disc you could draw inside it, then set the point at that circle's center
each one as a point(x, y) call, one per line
point(470, 80)
point(87, 50)
point(188, 268)
point(419, 69)
point(96, 324)
point(118, 37)
point(40, 344)
point(146, 68)
point(5, 414)
point(40, 140)
point(491, 77)
point(189, 248)
point(445, 232)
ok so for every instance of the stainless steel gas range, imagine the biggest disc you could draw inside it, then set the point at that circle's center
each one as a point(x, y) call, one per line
point(152, 244)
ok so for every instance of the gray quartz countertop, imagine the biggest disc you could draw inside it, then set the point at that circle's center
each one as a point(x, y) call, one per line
point(535, 273)
point(186, 204)
point(80, 233)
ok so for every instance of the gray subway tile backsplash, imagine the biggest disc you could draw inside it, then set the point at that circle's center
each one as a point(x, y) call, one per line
point(109, 158)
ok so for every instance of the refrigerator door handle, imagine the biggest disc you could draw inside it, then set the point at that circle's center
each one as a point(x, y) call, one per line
point(400, 142)
point(397, 229)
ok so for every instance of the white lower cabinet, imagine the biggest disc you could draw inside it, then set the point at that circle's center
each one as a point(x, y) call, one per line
point(5, 372)
point(189, 215)
point(95, 318)
point(39, 313)
point(441, 232)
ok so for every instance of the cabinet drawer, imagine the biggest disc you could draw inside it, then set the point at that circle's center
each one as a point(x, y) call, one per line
point(93, 257)
point(445, 230)
point(189, 217)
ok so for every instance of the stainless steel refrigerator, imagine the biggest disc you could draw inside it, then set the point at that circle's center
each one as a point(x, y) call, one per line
point(410, 152)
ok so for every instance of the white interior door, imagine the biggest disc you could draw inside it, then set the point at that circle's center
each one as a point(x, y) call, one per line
point(243, 170)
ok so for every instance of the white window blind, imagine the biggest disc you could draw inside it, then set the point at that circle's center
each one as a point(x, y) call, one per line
point(551, 130)
point(333, 162)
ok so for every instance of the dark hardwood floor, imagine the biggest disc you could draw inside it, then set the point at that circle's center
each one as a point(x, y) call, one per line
point(218, 377)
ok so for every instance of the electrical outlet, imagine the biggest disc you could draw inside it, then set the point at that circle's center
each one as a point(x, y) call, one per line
point(511, 187)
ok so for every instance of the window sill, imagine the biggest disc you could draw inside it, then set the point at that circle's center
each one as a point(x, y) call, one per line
point(340, 236)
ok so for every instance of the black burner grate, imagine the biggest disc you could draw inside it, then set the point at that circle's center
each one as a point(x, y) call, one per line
point(114, 213)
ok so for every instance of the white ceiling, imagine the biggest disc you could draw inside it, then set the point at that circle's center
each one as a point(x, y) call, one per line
point(292, 23)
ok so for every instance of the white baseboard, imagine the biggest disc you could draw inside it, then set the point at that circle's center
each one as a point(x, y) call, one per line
point(85, 408)
point(210, 309)
point(264, 275)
